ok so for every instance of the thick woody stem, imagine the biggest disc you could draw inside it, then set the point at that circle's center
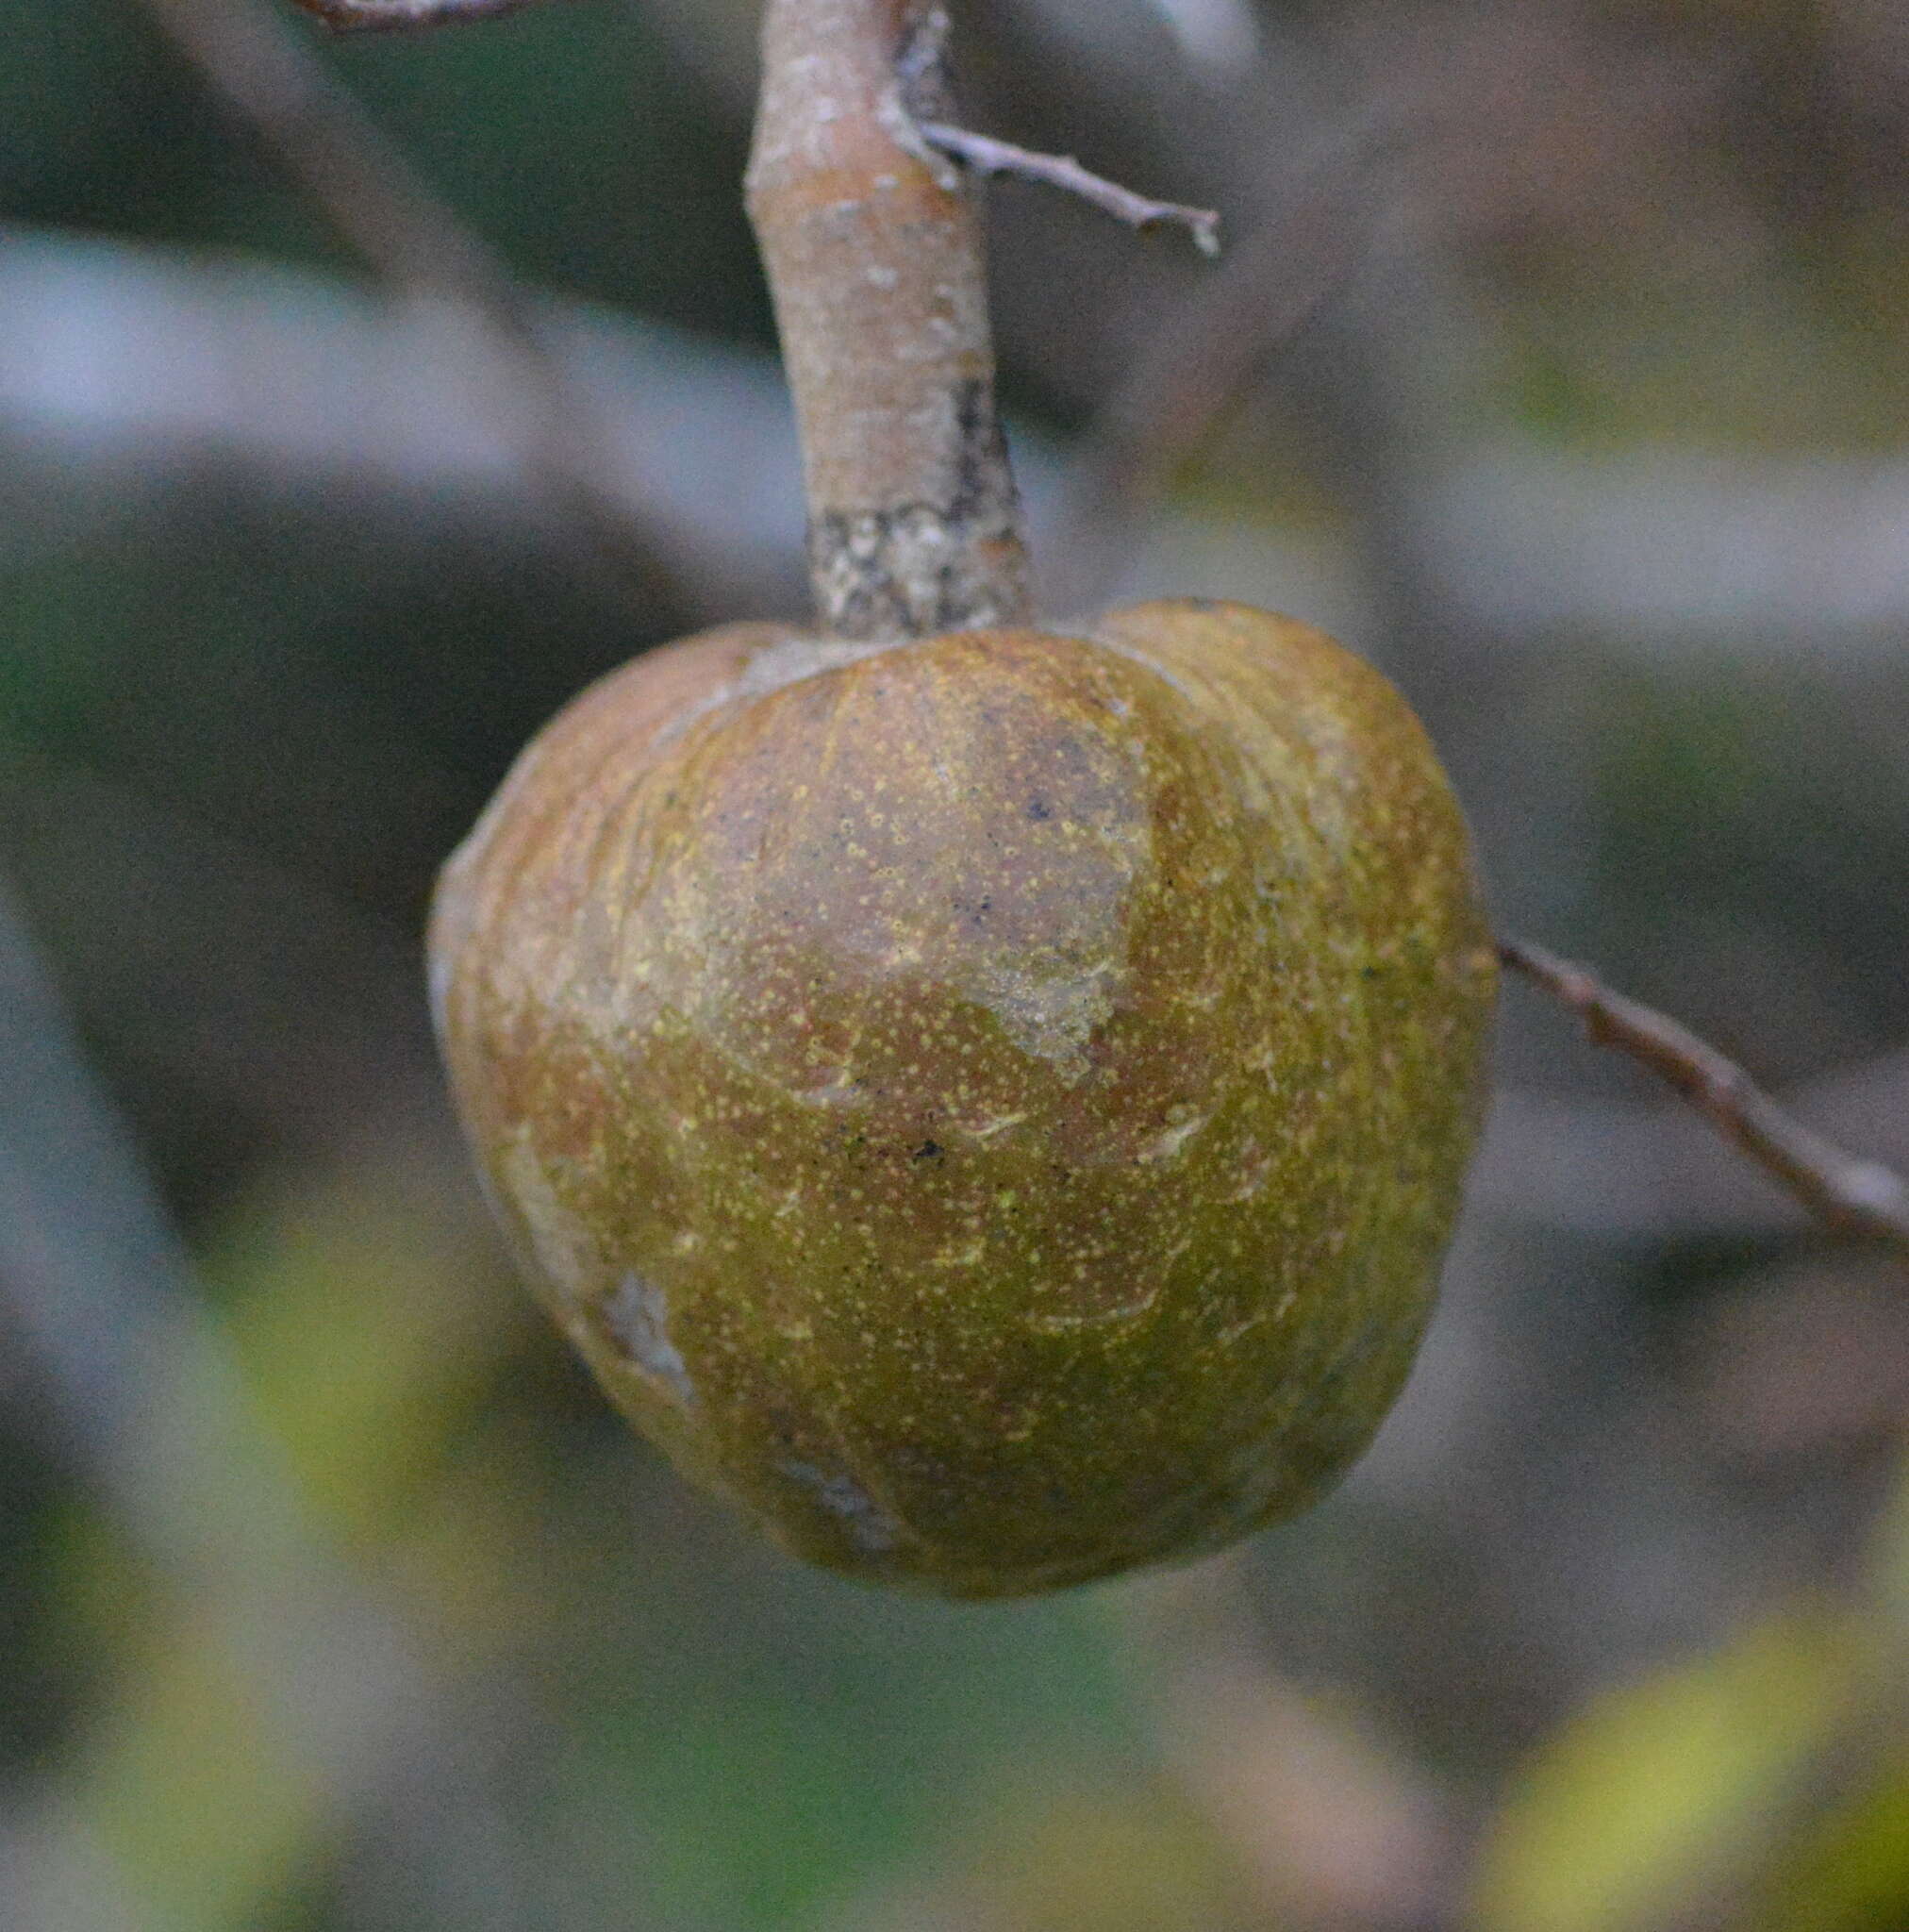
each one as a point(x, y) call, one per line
point(873, 248)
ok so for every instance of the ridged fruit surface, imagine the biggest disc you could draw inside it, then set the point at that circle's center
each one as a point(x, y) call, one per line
point(991, 1107)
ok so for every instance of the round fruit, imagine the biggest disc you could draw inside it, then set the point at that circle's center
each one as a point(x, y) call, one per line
point(991, 1106)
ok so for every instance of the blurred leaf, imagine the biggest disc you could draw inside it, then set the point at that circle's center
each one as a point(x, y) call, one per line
point(104, 1598)
point(1657, 346)
point(474, 1558)
point(775, 1735)
point(1658, 1786)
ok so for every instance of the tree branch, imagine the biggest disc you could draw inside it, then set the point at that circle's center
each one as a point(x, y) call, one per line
point(415, 243)
point(1860, 1196)
point(987, 156)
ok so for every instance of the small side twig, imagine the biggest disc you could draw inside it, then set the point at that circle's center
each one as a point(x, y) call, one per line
point(377, 16)
point(986, 156)
point(1862, 1196)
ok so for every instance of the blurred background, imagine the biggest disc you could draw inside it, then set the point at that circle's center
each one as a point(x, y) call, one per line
point(359, 402)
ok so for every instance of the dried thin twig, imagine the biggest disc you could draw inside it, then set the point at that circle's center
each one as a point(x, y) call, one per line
point(1862, 1196)
point(416, 244)
point(375, 16)
point(987, 156)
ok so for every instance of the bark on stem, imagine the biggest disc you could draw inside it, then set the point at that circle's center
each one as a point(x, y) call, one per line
point(873, 248)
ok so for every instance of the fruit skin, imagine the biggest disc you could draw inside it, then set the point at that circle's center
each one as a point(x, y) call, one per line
point(991, 1106)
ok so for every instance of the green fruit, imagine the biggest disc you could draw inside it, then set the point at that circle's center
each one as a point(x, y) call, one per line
point(990, 1106)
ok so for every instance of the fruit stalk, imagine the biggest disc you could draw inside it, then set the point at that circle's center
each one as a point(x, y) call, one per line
point(873, 247)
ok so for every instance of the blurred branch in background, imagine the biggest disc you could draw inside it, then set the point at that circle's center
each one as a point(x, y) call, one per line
point(1602, 1168)
point(415, 243)
point(305, 1698)
point(1858, 1197)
